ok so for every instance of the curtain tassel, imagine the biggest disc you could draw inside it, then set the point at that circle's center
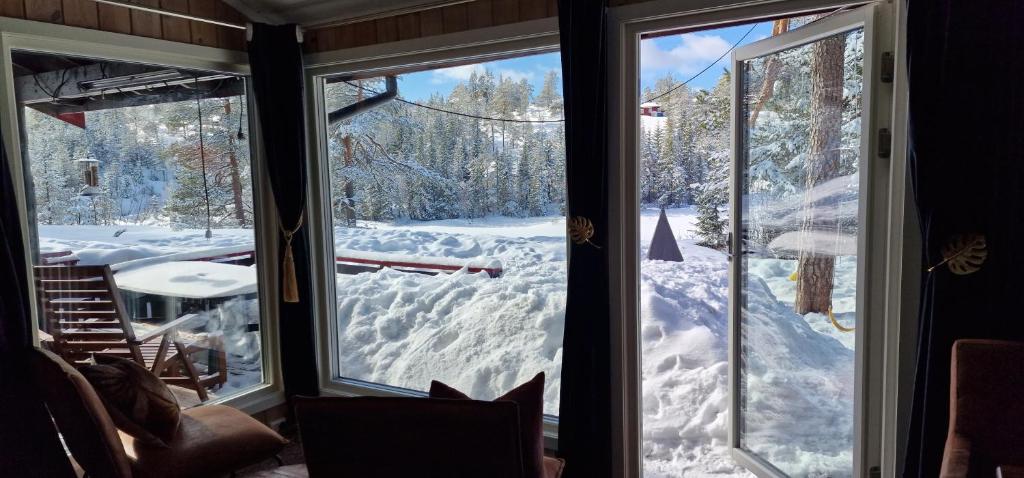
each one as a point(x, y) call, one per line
point(289, 283)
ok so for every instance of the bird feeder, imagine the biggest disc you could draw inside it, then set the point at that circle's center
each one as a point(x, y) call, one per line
point(90, 168)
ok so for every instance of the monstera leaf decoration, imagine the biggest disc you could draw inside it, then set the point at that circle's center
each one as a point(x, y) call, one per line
point(581, 230)
point(963, 254)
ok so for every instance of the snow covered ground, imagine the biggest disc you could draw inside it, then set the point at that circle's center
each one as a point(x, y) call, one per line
point(485, 335)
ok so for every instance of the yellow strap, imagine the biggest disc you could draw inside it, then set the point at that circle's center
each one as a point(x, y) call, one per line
point(836, 324)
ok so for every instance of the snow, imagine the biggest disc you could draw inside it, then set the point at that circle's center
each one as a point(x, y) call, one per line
point(189, 279)
point(799, 389)
point(486, 335)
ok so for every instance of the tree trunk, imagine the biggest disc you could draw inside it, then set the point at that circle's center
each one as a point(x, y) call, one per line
point(815, 276)
point(771, 73)
point(236, 176)
point(350, 203)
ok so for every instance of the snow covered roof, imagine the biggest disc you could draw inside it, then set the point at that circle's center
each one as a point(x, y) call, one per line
point(188, 279)
point(650, 104)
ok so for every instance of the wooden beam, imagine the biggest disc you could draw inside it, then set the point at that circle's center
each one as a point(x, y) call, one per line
point(126, 100)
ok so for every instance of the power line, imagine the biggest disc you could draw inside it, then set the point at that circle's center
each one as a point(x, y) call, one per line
point(701, 72)
point(456, 113)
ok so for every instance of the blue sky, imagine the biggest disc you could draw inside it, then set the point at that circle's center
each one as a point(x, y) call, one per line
point(419, 86)
point(678, 55)
point(682, 56)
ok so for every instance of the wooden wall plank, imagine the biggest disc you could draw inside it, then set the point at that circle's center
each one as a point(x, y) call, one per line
point(365, 33)
point(81, 13)
point(344, 37)
point(175, 29)
point(504, 12)
point(431, 22)
point(408, 26)
point(50, 11)
point(552, 8)
point(115, 19)
point(203, 33)
point(532, 9)
point(144, 23)
point(387, 30)
point(12, 8)
point(455, 18)
point(230, 38)
point(479, 13)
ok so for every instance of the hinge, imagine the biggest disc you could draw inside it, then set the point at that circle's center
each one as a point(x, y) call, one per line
point(888, 67)
point(884, 143)
point(875, 472)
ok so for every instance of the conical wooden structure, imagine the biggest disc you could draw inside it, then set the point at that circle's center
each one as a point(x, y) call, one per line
point(663, 244)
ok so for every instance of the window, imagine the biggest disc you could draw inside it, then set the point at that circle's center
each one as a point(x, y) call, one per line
point(449, 245)
point(146, 171)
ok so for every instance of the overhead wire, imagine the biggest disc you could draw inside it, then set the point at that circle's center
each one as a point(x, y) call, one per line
point(701, 72)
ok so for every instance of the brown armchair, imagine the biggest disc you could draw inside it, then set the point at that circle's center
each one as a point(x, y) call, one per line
point(212, 440)
point(986, 408)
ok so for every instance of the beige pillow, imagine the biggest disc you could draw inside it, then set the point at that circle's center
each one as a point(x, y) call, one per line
point(139, 402)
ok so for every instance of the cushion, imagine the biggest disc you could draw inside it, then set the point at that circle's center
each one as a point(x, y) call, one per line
point(80, 416)
point(213, 440)
point(139, 402)
point(530, 398)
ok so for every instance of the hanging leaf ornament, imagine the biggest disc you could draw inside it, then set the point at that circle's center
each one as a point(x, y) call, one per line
point(963, 254)
point(581, 230)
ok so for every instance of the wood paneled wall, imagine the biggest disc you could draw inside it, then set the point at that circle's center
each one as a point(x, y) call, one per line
point(89, 14)
point(451, 19)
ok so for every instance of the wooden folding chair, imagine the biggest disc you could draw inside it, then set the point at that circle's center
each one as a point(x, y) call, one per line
point(84, 314)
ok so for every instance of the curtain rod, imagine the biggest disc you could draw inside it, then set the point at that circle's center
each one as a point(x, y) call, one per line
point(135, 6)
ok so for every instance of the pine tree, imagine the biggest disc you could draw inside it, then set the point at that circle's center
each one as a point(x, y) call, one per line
point(710, 224)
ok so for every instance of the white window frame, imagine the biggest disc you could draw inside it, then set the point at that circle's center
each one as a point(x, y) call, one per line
point(475, 46)
point(893, 243)
point(24, 35)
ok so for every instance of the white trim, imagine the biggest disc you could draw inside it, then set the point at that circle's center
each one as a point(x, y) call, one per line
point(23, 35)
point(490, 44)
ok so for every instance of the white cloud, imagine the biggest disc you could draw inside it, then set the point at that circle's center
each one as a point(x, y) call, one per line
point(457, 73)
point(694, 52)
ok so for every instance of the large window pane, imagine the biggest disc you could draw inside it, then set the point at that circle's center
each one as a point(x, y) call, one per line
point(800, 202)
point(449, 229)
point(144, 170)
point(798, 395)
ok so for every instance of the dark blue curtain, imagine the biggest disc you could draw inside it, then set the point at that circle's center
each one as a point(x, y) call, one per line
point(275, 56)
point(584, 427)
point(967, 164)
point(28, 439)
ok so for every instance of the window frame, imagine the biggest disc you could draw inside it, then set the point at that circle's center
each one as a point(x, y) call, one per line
point(894, 234)
point(474, 46)
point(29, 36)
